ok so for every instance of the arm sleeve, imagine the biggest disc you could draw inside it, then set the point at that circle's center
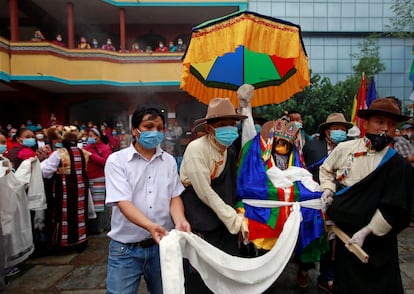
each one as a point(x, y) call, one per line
point(327, 172)
point(117, 188)
point(50, 165)
point(379, 225)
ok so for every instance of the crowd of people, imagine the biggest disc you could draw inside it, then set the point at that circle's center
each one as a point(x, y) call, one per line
point(108, 45)
point(135, 186)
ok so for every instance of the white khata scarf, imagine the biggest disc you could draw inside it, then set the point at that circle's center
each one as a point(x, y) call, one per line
point(224, 273)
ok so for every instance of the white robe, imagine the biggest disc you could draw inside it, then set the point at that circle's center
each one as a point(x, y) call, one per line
point(15, 206)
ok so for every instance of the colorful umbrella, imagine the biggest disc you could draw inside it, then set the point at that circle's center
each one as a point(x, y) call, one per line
point(245, 48)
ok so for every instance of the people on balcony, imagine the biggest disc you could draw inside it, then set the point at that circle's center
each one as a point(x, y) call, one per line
point(108, 45)
point(148, 49)
point(172, 47)
point(180, 45)
point(135, 48)
point(84, 44)
point(161, 48)
point(38, 36)
point(59, 41)
point(95, 44)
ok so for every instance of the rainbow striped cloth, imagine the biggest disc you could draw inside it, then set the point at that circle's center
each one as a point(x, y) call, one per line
point(266, 224)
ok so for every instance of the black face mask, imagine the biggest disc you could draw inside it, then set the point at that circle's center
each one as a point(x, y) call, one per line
point(380, 141)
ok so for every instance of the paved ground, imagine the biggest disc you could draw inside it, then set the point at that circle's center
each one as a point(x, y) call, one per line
point(84, 273)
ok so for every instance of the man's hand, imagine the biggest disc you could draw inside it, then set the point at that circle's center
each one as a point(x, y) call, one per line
point(359, 237)
point(244, 230)
point(157, 232)
point(326, 198)
point(43, 152)
point(183, 226)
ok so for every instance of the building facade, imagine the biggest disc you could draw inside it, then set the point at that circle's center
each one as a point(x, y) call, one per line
point(333, 30)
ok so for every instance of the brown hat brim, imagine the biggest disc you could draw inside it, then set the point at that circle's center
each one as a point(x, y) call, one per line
point(223, 117)
point(323, 126)
point(366, 113)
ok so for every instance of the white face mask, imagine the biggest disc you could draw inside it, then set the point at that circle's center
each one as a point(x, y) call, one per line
point(109, 42)
point(180, 42)
point(40, 136)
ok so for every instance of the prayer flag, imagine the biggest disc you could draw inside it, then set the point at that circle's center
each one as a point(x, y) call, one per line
point(372, 93)
point(360, 103)
point(411, 76)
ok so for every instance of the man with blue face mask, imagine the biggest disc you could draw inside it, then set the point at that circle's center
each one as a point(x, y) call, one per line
point(332, 132)
point(208, 171)
point(143, 188)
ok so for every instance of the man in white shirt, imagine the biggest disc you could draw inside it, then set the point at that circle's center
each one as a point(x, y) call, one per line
point(143, 188)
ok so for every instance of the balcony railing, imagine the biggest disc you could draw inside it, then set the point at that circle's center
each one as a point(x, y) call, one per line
point(22, 61)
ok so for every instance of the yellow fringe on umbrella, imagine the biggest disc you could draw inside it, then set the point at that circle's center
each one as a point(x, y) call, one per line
point(257, 34)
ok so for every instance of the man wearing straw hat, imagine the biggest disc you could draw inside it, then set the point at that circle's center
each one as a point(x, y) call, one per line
point(208, 171)
point(374, 203)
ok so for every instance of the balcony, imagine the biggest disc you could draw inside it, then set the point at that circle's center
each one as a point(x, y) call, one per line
point(55, 69)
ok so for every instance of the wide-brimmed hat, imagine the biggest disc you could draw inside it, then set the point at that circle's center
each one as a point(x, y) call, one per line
point(334, 118)
point(407, 126)
point(220, 108)
point(354, 132)
point(384, 106)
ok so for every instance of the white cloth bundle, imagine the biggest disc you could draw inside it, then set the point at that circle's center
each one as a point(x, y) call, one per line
point(221, 272)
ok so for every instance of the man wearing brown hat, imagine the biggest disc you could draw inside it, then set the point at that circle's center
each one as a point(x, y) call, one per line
point(208, 171)
point(332, 132)
point(374, 203)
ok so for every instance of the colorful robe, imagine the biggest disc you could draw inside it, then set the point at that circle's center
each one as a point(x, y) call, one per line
point(266, 224)
point(70, 202)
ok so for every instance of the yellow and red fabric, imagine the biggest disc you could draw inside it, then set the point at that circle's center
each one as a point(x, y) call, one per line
point(245, 48)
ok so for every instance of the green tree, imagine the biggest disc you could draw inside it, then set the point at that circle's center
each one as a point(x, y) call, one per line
point(321, 98)
point(369, 60)
point(402, 23)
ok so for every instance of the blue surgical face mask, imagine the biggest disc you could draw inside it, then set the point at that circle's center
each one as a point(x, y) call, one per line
point(337, 136)
point(29, 142)
point(150, 139)
point(226, 135)
point(114, 133)
point(2, 148)
point(91, 140)
point(59, 145)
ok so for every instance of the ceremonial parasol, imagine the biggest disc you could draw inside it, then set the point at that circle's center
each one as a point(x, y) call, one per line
point(245, 48)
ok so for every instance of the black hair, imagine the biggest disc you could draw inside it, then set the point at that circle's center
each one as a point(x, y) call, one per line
point(19, 133)
point(141, 112)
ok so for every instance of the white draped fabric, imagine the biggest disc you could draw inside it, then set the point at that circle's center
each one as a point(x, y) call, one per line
point(20, 192)
point(224, 273)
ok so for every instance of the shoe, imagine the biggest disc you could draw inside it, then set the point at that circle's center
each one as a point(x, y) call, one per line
point(11, 271)
point(326, 286)
point(302, 279)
